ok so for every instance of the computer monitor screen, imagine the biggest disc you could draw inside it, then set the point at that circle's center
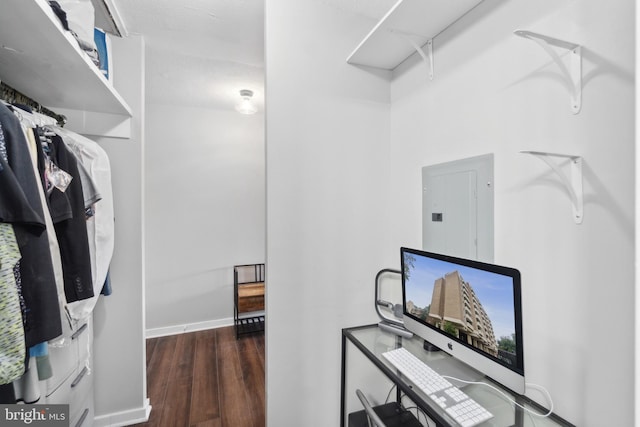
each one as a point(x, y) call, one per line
point(469, 309)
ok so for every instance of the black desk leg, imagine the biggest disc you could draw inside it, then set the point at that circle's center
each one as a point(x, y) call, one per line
point(342, 380)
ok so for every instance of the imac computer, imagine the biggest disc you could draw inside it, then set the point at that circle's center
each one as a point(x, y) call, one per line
point(469, 309)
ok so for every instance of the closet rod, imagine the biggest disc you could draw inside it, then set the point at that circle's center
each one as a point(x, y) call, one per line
point(13, 96)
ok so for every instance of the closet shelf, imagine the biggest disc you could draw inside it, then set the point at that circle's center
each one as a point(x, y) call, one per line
point(42, 60)
point(409, 25)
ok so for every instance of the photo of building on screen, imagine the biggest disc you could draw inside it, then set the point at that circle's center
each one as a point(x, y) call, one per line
point(456, 310)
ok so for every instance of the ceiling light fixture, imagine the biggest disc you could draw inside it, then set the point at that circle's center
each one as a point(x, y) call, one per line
point(246, 106)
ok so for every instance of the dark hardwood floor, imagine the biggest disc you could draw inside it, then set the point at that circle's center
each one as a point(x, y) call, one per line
point(206, 379)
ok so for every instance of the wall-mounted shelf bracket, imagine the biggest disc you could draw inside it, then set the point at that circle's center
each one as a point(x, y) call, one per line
point(573, 73)
point(426, 57)
point(573, 184)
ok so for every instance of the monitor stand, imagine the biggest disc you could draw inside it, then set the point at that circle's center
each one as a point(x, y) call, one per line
point(430, 347)
point(452, 367)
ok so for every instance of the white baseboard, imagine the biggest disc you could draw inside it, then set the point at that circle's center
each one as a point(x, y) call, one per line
point(191, 327)
point(124, 418)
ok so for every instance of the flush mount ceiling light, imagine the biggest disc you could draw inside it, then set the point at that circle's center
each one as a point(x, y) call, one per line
point(245, 106)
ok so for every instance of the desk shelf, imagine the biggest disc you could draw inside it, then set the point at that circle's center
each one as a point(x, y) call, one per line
point(371, 341)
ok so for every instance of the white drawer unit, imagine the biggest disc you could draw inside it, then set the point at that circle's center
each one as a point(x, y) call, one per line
point(62, 393)
point(72, 381)
point(83, 417)
point(63, 358)
point(81, 387)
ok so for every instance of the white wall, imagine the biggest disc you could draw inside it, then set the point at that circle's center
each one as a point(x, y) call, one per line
point(119, 350)
point(205, 212)
point(341, 197)
point(327, 204)
point(494, 92)
point(637, 217)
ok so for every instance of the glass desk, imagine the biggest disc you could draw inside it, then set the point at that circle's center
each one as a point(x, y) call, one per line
point(372, 341)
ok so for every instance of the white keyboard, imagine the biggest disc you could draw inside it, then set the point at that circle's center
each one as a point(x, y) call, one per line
point(466, 411)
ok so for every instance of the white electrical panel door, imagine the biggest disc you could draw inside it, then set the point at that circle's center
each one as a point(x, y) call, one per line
point(457, 208)
point(450, 220)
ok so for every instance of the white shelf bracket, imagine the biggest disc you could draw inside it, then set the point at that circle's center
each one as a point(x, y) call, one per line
point(571, 74)
point(427, 58)
point(573, 184)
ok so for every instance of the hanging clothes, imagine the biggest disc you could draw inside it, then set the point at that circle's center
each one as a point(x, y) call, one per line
point(40, 351)
point(71, 227)
point(12, 344)
point(25, 387)
point(19, 185)
point(54, 248)
point(56, 199)
point(100, 226)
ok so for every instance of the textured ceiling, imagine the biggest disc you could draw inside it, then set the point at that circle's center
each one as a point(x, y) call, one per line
point(200, 53)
